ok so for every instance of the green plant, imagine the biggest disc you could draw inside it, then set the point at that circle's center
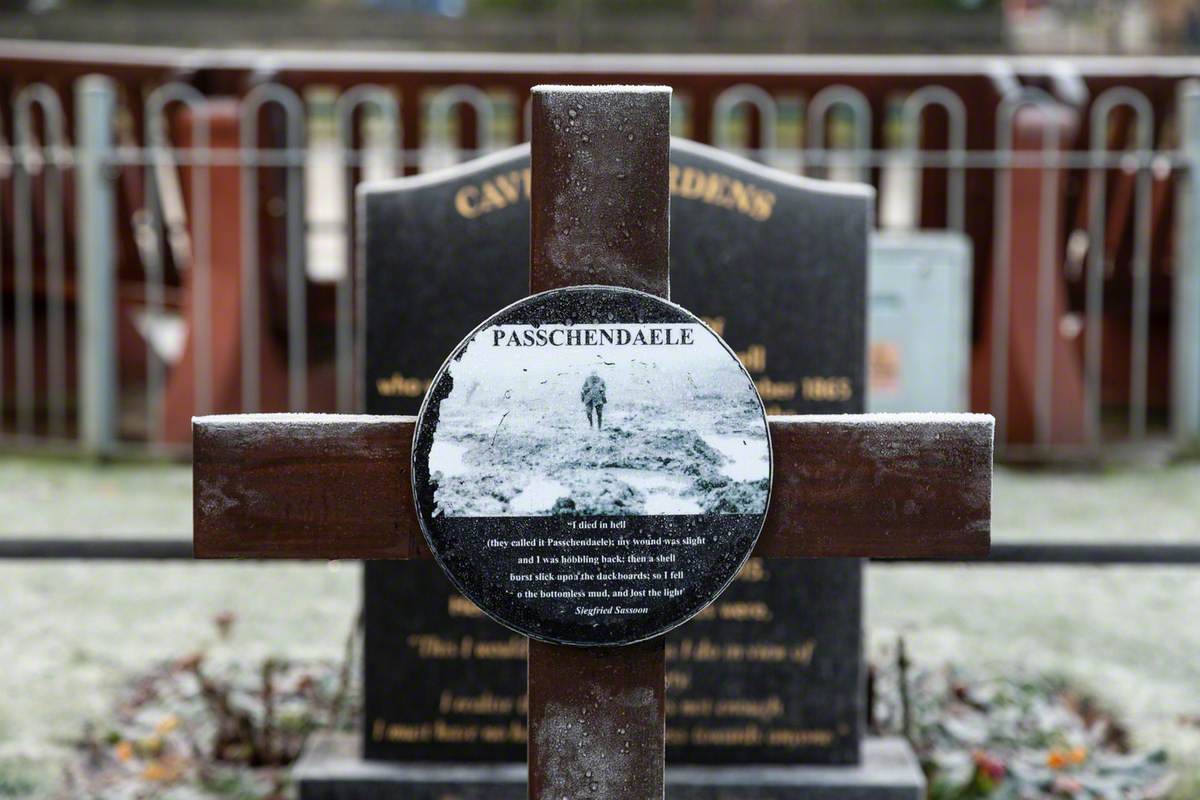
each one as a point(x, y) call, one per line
point(17, 780)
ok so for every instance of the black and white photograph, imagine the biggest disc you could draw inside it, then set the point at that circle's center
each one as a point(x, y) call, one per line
point(609, 419)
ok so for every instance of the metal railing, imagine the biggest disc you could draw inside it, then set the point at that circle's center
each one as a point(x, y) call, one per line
point(187, 249)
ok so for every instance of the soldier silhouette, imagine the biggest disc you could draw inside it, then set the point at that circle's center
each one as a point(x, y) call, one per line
point(593, 397)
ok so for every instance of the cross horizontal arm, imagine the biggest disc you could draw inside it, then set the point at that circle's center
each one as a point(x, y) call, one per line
point(338, 487)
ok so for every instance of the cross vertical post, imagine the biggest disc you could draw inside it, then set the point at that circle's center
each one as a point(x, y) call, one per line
point(600, 216)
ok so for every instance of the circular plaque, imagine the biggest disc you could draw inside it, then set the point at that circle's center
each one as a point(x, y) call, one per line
point(592, 466)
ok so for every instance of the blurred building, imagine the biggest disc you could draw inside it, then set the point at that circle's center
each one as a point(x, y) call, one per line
point(524, 25)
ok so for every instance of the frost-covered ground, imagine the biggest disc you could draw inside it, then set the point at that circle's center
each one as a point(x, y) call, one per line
point(70, 631)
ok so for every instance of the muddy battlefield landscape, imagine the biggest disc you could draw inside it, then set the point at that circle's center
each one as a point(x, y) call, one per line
point(676, 439)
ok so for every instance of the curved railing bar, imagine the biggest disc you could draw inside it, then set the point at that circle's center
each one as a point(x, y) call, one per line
point(159, 147)
point(292, 107)
point(1102, 108)
point(768, 115)
point(348, 104)
point(822, 103)
point(44, 98)
point(449, 98)
point(956, 114)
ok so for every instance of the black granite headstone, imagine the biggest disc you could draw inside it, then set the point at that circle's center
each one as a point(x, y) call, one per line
point(771, 672)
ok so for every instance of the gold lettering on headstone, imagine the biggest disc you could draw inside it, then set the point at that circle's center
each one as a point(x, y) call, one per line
point(678, 680)
point(484, 704)
point(771, 390)
point(754, 358)
point(716, 323)
point(509, 186)
point(803, 653)
point(447, 732)
point(492, 198)
point(493, 734)
point(718, 189)
point(737, 611)
point(513, 648)
point(466, 202)
point(754, 571)
point(501, 191)
point(799, 737)
point(382, 731)
point(830, 389)
point(676, 736)
point(723, 191)
point(741, 736)
point(397, 385)
point(762, 709)
point(432, 646)
point(429, 645)
point(459, 606)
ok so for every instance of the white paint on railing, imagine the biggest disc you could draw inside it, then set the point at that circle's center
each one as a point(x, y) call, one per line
point(1185, 322)
point(96, 259)
point(956, 145)
point(1097, 262)
point(849, 167)
point(45, 157)
point(439, 151)
point(164, 205)
point(729, 101)
point(292, 107)
point(347, 106)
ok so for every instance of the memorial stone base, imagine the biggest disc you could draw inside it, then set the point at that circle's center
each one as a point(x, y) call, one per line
point(332, 769)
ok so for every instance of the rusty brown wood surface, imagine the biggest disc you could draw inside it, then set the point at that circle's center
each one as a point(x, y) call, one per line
point(599, 211)
point(324, 487)
point(600, 205)
point(592, 713)
point(319, 486)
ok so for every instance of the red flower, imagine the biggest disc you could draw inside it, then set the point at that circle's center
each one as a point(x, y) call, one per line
point(989, 765)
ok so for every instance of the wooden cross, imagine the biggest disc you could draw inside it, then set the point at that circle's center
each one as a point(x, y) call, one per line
point(338, 486)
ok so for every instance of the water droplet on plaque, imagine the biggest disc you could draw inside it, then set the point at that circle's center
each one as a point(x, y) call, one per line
point(558, 308)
